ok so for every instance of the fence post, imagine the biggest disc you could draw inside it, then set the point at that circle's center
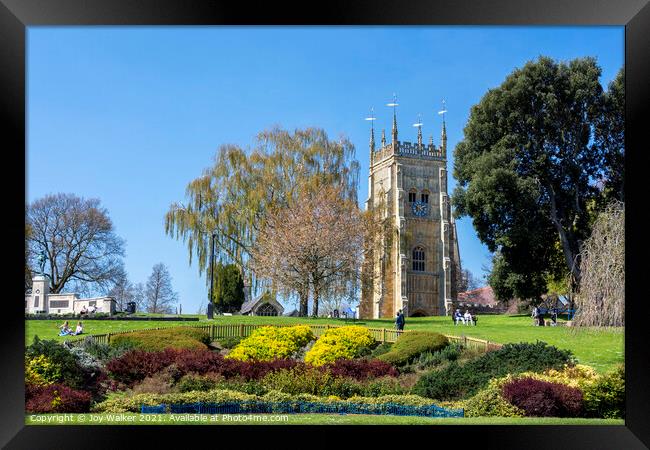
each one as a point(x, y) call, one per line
point(241, 330)
point(383, 335)
point(108, 338)
point(464, 341)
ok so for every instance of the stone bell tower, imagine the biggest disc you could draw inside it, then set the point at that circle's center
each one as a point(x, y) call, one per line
point(415, 256)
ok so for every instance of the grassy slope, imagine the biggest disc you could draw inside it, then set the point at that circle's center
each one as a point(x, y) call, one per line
point(600, 349)
point(306, 419)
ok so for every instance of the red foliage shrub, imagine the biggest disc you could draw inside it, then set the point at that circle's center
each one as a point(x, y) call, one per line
point(199, 361)
point(360, 369)
point(544, 399)
point(136, 365)
point(56, 398)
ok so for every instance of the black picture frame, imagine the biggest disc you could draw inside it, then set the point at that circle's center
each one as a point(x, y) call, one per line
point(16, 15)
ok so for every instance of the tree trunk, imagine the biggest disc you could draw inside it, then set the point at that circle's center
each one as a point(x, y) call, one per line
point(315, 307)
point(569, 257)
point(304, 301)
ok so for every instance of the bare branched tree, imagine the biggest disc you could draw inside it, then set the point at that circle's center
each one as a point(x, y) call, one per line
point(159, 295)
point(139, 297)
point(123, 291)
point(77, 239)
point(600, 301)
point(313, 246)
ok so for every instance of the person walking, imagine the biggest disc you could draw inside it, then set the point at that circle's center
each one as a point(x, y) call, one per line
point(399, 321)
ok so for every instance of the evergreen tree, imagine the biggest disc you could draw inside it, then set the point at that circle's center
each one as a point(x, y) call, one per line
point(228, 288)
point(528, 170)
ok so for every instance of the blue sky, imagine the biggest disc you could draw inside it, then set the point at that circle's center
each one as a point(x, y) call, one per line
point(130, 115)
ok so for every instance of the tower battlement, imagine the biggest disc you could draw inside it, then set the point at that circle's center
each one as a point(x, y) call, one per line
point(410, 149)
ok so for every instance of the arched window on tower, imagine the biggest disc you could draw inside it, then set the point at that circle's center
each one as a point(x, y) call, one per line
point(412, 196)
point(425, 197)
point(418, 259)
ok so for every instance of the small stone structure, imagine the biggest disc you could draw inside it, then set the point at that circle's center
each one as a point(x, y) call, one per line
point(262, 305)
point(41, 301)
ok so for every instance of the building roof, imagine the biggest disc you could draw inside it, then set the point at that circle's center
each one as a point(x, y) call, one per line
point(483, 296)
point(250, 304)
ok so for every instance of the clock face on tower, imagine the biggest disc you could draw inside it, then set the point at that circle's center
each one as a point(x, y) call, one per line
point(420, 209)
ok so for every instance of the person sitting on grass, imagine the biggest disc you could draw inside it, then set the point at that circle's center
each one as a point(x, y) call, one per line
point(78, 330)
point(65, 329)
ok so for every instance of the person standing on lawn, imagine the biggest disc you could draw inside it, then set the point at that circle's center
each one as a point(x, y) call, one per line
point(401, 320)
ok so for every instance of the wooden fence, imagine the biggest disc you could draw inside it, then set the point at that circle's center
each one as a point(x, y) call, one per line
point(244, 330)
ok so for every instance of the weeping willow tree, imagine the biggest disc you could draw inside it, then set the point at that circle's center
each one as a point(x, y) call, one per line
point(601, 297)
point(231, 198)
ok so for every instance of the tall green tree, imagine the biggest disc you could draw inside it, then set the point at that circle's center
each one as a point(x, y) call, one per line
point(610, 137)
point(528, 167)
point(231, 198)
point(228, 288)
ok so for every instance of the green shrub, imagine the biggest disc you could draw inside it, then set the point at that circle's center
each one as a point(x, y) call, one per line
point(606, 397)
point(381, 349)
point(309, 380)
point(125, 403)
point(70, 373)
point(340, 343)
point(229, 342)
point(195, 382)
point(40, 371)
point(489, 402)
point(106, 352)
point(411, 345)
point(269, 343)
point(154, 340)
point(406, 400)
point(383, 386)
point(458, 381)
point(431, 359)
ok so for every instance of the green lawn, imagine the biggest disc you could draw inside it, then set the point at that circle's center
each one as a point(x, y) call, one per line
point(601, 349)
point(292, 419)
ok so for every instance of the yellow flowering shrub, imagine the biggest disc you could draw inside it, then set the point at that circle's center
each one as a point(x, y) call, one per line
point(40, 371)
point(339, 343)
point(578, 376)
point(269, 343)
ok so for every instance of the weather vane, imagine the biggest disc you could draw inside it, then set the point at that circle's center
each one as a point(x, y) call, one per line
point(371, 118)
point(419, 122)
point(444, 110)
point(394, 102)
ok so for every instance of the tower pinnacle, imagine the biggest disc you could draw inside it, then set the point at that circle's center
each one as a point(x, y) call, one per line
point(443, 137)
point(394, 104)
point(418, 124)
point(372, 118)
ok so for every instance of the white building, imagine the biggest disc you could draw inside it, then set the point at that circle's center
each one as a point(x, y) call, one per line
point(41, 301)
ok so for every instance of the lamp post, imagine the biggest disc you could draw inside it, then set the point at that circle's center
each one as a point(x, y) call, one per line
point(211, 265)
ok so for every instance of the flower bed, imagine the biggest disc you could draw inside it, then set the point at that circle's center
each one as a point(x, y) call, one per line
point(192, 401)
point(339, 343)
point(269, 343)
